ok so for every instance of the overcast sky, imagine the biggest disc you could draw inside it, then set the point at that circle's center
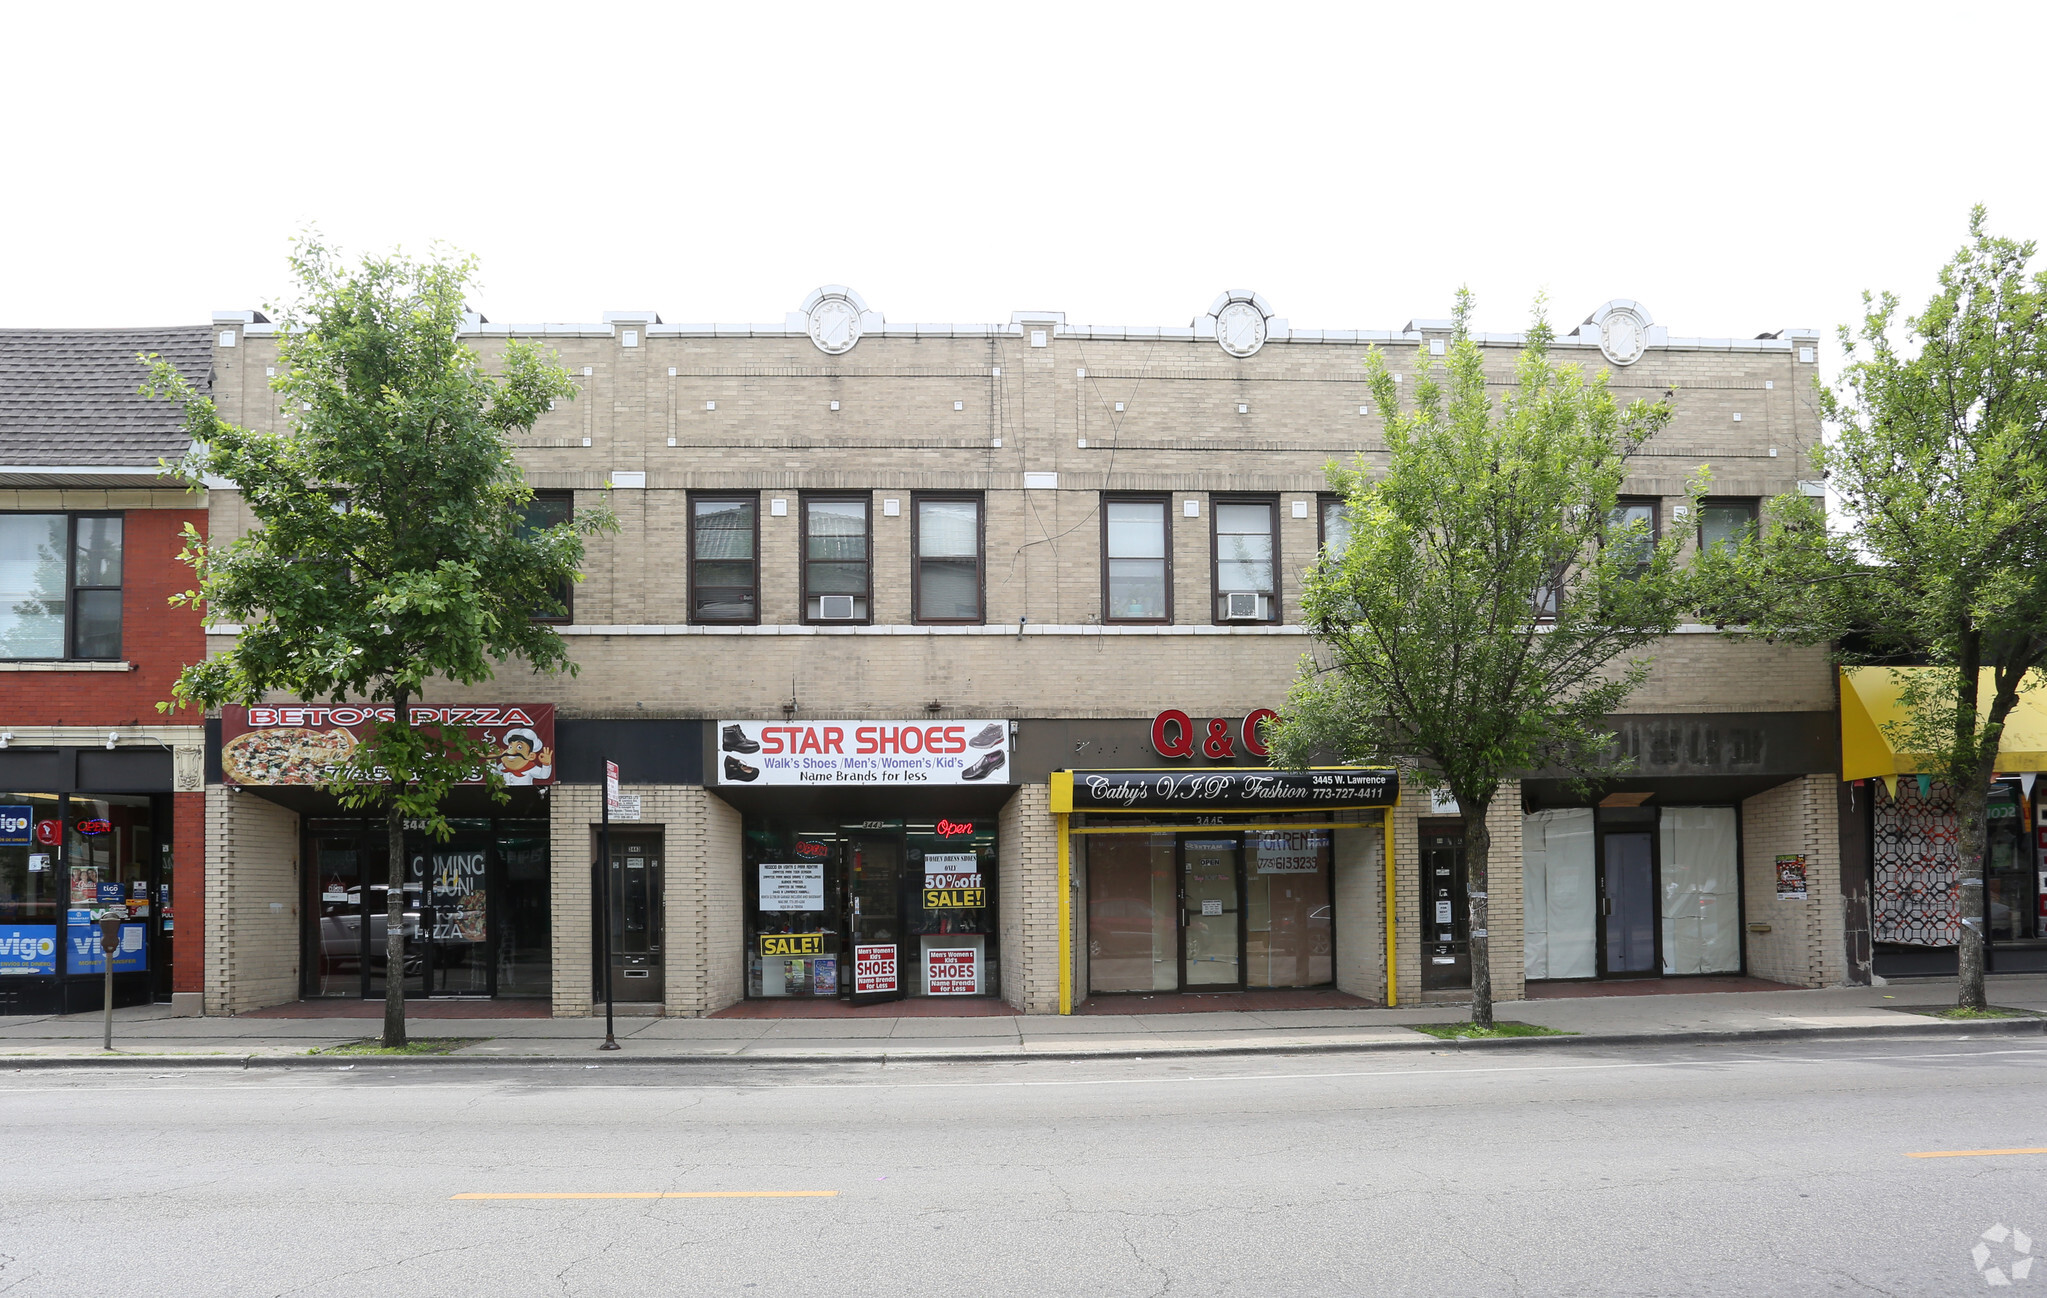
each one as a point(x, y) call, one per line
point(1735, 168)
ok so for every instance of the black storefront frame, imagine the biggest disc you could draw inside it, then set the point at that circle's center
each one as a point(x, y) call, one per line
point(66, 992)
point(1603, 823)
point(823, 826)
point(497, 903)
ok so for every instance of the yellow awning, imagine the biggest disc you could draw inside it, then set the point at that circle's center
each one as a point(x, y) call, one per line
point(1869, 699)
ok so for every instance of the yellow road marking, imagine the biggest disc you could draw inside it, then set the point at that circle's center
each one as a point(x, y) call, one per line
point(667, 1194)
point(1974, 1153)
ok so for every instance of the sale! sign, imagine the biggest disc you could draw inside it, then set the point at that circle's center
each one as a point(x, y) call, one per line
point(952, 971)
point(874, 969)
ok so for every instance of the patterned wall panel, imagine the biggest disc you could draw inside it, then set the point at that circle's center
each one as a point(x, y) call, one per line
point(1916, 898)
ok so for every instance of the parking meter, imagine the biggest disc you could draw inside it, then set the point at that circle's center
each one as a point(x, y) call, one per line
point(110, 942)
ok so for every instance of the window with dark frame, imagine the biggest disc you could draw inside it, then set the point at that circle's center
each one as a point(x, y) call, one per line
point(947, 546)
point(1136, 571)
point(1726, 522)
point(1245, 554)
point(1632, 513)
point(837, 584)
point(60, 586)
point(724, 559)
point(1335, 525)
point(551, 509)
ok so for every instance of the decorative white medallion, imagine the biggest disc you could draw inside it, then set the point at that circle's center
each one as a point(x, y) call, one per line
point(1622, 336)
point(834, 324)
point(1240, 328)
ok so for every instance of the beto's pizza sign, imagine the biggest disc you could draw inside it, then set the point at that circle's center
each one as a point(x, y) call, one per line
point(295, 744)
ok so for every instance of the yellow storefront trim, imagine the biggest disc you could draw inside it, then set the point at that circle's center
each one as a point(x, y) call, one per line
point(1869, 701)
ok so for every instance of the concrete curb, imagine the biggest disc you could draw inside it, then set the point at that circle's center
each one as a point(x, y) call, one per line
point(2019, 1027)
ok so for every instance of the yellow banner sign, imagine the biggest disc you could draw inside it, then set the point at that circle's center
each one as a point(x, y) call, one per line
point(792, 943)
point(955, 898)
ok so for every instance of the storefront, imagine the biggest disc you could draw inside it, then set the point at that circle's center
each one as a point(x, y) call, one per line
point(1905, 821)
point(65, 859)
point(871, 855)
point(1210, 880)
point(475, 914)
point(477, 905)
point(1632, 892)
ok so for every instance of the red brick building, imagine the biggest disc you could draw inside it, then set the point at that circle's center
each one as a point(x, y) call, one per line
point(101, 795)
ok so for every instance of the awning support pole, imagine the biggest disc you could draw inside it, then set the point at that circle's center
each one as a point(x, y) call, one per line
point(1392, 958)
point(1065, 917)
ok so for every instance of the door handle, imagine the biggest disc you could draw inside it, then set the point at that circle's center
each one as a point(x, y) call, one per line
point(1606, 905)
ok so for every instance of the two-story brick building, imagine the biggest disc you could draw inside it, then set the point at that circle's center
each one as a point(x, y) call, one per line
point(101, 796)
point(903, 627)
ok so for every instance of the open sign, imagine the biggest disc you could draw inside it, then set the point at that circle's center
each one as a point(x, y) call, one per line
point(94, 828)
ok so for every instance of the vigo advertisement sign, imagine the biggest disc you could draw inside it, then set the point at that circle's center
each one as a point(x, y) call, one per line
point(863, 752)
point(295, 744)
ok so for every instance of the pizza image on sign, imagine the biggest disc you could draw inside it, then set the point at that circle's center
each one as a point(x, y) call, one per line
point(286, 755)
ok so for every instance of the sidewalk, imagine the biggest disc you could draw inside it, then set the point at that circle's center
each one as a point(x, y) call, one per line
point(150, 1035)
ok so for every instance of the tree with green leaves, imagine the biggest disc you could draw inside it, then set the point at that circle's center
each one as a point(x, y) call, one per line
point(393, 548)
point(1938, 456)
point(1475, 626)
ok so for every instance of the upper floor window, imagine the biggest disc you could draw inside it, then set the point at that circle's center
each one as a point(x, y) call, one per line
point(1246, 547)
point(1335, 523)
point(60, 585)
point(1726, 522)
point(724, 568)
point(1136, 575)
point(1641, 516)
point(836, 572)
point(544, 510)
point(947, 543)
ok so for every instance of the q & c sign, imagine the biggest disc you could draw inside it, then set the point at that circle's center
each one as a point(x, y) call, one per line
point(1173, 735)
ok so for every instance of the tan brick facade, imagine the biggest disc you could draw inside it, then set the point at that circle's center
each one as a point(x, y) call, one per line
point(252, 902)
point(749, 412)
point(1802, 944)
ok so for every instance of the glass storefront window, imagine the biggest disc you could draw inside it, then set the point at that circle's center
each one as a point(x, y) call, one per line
point(525, 940)
point(28, 866)
point(476, 914)
point(1289, 937)
point(817, 889)
point(1211, 908)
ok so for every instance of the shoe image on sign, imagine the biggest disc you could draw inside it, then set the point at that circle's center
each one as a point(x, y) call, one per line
point(734, 740)
point(738, 770)
point(979, 770)
point(991, 735)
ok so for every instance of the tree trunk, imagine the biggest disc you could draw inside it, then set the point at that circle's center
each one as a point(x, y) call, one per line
point(1971, 797)
point(394, 908)
point(1478, 851)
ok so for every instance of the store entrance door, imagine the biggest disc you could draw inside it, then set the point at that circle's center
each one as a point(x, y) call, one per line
point(874, 886)
point(1211, 915)
point(1627, 905)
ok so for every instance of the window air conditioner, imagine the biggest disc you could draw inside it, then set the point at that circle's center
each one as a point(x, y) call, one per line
point(835, 608)
point(1243, 606)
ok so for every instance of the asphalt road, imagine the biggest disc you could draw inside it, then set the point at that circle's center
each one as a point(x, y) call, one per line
point(1566, 1171)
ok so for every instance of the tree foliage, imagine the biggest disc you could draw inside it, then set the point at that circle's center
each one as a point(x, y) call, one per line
point(391, 548)
point(1476, 625)
point(1938, 455)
